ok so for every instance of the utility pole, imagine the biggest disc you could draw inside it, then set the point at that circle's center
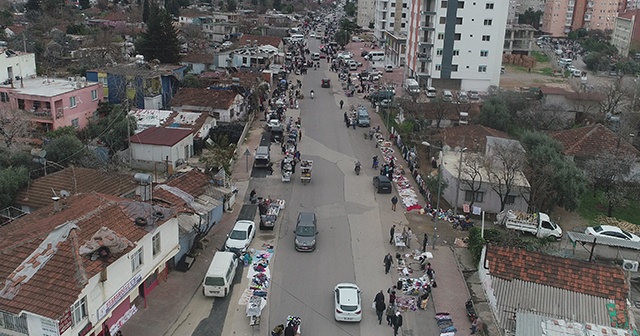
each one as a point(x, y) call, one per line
point(24, 42)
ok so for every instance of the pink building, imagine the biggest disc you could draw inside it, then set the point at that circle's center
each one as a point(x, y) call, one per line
point(562, 16)
point(54, 102)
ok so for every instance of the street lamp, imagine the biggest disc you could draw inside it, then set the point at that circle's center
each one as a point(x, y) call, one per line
point(435, 219)
point(455, 207)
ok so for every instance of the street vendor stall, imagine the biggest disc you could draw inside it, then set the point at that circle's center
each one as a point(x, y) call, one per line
point(287, 168)
point(398, 241)
point(254, 309)
point(306, 167)
point(269, 212)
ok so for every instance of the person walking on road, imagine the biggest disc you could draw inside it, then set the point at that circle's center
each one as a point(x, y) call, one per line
point(341, 103)
point(391, 312)
point(392, 231)
point(380, 308)
point(392, 298)
point(409, 237)
point(425, 241)
point(397, 323)
point(394, 201)
point(388, 260)
point(379, 297)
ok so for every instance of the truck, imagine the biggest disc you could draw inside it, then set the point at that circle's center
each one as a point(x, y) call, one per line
point(539, 224)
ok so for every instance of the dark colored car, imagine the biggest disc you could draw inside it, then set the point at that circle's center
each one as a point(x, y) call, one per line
point(364, 53)
point(382, 184)
point(306, 231)
point(326, 83)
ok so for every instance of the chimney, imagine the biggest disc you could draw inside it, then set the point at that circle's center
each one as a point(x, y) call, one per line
point(57, 207)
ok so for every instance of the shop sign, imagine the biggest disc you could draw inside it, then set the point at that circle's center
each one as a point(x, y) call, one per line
point(116, 326)
point(49, 327)
point(65, 322)
point(86, 329)
point(118, 296)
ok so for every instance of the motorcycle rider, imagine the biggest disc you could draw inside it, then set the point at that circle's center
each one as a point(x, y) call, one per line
point(357, 168)
point(311, 93)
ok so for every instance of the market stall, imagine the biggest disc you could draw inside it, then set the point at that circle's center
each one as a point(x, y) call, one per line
point(306, 166)
point(255, 295)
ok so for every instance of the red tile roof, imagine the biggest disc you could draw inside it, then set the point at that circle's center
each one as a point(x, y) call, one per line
point(218, 99)
point(160, 136)
point(262, 40)
point(591, 141)
point(193, 182)
point(564, 273)
point(56, 285)
point(197, 58)
point(74, 180)
point(473, 137)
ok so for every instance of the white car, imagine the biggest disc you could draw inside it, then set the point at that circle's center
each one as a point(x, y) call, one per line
point(611, 232)
point(348, 302)
point(241, 236)
point(312, 35)
point(227, 44)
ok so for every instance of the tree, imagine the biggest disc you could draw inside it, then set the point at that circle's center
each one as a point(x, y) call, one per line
point(14, 124)
point(172, 7)
point(342, 37)
point(146, 11)
point(84, 4)
point(33, 5)
point(160, 40)
point(613, 98)
point(494, 114)
point(504, 167)
point(66, 150)
point(471, 174)
point(114, 129)
point(543, 117)
point(12, 179)
point(531, 17)
point(431, 181)
point(554, 180)
point(350, 8)
point(611, 174)
point(232, 6)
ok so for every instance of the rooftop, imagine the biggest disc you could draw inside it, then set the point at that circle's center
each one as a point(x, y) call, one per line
point(473, 137)
point(214, 98)
point(273, 41)
point(49, 87)
point(160, 136)
point(591, 141)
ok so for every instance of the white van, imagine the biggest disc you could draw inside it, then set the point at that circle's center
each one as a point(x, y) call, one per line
point(297, 37)
point(411, 85)
point(447, 96)
point(375, 56)
point(219, 277)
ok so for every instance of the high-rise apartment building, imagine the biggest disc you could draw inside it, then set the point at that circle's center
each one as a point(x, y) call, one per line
point(366, 13)
point(391, 28)
point(456, 44)
point(562, 16)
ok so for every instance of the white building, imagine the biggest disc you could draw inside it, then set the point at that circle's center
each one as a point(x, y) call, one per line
point(161, 148)
point(60, 281)
point(15, 65)
point(391, 29)
point(366, 13)
point(456, 44)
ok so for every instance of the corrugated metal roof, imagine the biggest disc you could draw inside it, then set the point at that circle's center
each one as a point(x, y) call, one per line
point(615, 242)
point(516, 295)
point(532, 324)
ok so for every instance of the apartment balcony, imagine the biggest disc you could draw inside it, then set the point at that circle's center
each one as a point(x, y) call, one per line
point(590, 5)
point(423, 72)
point(425, 42)
point(587, 17)
point(42, 114)
point(427, 26)
point(424, 57)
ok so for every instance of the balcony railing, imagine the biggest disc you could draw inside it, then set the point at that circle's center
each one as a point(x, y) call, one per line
point(427, 25)
point(41, 114)
point(425, 42)
point(424, 57)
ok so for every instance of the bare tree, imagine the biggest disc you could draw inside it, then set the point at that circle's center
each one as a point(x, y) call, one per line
point(585, 103)
point(505, 161)
point(544, 117)
point(612, 174)
point(14, 124)
point(612, 99)
point(473, 166)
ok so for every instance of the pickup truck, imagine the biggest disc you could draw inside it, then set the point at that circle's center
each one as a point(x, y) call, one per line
point(538, 224)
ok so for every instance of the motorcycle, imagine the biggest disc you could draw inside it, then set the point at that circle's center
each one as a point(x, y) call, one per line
point(311, 94)
point(357, 168)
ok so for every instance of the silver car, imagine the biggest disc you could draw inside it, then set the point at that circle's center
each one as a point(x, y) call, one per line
point(306, 231)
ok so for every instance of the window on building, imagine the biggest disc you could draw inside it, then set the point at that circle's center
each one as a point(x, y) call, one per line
point(438, 52)
point(454, 67)
point(136, 260)
point(75, 123)
point(486, 37)
point(393, 5)
point(509, 199)
point(156, 243)
point(456, 52)
point(443, 4)
point(440, 36)
point(468, 196)
point(484, 53)
point(488, 6)
point(79, 311)
point(458, 20)
point(393, 15)
point(103, 80)
point(94, 94)
point(391, 25)
point(488, 22)
point(443, 20)
point(404, 15)
point(482, 68)
point(72, 101)
point(4, 97)
point(404, 5)
point(438, 67)
point(403, 25)
point(460, 4)
point(457, 36)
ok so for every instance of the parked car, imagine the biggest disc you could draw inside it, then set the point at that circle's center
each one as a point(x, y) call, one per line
point(576, 73)
point(326, 83)
point(241, 236)
point(474, 95)
point(463, 97)
point(364, 53)
point(388, 68)
point(348, 302)
point(611, 232)
point(382, 184)
point(306, 231)
point(312, 35)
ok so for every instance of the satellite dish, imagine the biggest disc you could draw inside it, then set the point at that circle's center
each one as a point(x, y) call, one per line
point(64, 193)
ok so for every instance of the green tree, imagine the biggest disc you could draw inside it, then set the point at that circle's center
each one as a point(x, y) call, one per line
point(277, 5)
point(160, 40)
point(145, 11)
point(12, 179)
point(554, 180)
point(350, 26)
point(342, 37)
point(494, 114)
point(66, 150)
point(172, 7)
point(33, 5)
point(350, 8)
point(84, 4)
point(112, 129)
point(530, 17)
point(597, 61)
point(577, 34)
point(231, 5)
point(62, 131)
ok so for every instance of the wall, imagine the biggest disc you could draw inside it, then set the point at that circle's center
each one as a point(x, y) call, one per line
point(145, 155)
point(23, 65)
point(85, 108)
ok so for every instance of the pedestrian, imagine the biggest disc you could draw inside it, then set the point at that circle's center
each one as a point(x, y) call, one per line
point(404, 235)
point(475, 325)
point(341, 103)
point(392, 231)
point(397, 323)
point(346, 119)
point(425, 241)
point(392, 298)
point(380, 308)
point(379, 297)
point(391, 311)
point(270, 168)
point(394, 201)
point(388, 260)
point(430, 272)
point(409, 237)
point(389, 173)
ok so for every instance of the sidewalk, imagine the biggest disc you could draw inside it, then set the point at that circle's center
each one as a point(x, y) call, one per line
point(452, 292)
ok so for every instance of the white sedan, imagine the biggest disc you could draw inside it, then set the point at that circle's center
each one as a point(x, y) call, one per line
point(611, 232)
point(348, 302)
point(241, 236)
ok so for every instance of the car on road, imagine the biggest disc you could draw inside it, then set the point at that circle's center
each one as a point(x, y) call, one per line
point(382, 184)
point(611, 232)
point(364, 53)
point(326, 83)
point(312, 35)
point(474, 95)
point(306, 231)
point(348, 302)
point(241, 236)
